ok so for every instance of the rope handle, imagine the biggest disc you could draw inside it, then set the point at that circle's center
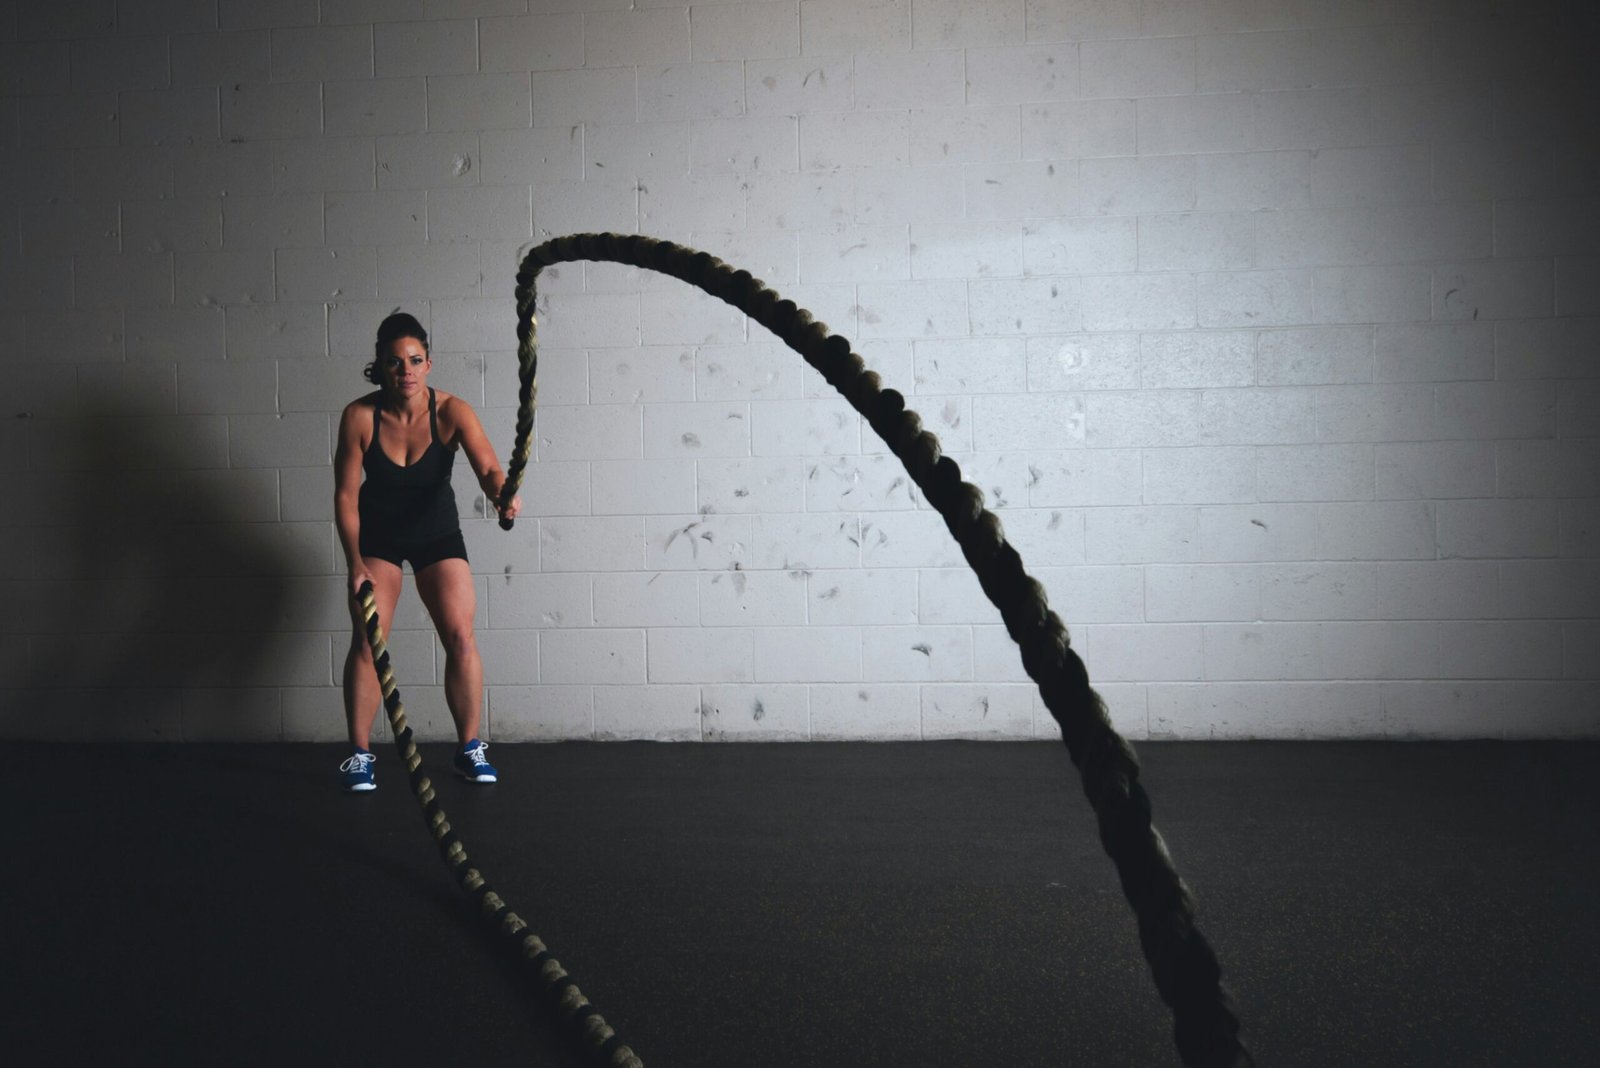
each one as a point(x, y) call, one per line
point(602, 1043)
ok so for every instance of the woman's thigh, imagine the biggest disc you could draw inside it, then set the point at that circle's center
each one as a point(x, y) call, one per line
point(449, 594)
point(386, 578)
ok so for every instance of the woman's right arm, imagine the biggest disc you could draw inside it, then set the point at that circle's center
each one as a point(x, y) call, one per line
point(347, 493)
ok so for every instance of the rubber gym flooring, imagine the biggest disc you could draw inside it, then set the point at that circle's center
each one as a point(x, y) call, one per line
point(922, 904)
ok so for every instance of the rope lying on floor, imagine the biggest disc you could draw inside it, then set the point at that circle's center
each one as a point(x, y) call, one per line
point(569, 1000)
point(1183, 964)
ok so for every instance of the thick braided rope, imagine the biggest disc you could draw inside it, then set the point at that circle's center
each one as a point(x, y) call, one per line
point(1182, 962)
point(602, 1042)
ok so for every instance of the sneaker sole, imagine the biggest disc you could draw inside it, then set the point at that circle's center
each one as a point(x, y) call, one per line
point(478, 778)
point(361, 788)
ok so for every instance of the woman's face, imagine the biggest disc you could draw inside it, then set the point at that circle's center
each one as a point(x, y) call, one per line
point(405, 367)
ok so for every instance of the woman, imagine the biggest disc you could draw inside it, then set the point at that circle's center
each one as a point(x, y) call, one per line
point(404, 438)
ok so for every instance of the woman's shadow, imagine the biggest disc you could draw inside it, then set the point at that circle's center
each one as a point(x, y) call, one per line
point(159, 582)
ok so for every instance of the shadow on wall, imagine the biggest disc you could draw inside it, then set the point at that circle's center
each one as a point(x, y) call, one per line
point(157, 575)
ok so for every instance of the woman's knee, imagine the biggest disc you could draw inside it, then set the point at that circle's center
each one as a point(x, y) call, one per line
point(458, 640)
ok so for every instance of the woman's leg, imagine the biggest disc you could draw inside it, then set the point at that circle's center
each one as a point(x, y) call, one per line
point(448, 592)
point(362, 694)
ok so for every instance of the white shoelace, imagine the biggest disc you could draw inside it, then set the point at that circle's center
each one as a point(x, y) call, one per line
point(358, 762)
point(477, 755)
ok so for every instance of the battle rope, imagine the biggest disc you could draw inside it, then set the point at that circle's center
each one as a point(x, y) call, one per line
point(1181, 961)
point(569, 1000)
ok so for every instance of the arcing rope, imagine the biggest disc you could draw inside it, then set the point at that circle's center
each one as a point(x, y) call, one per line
point(1184, 966)
point(1182, 962)
point(569, 1000)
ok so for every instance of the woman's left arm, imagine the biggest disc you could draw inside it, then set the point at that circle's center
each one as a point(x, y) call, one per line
point(480, 454)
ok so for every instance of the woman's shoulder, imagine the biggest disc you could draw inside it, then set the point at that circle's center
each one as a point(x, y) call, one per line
point(362, 407)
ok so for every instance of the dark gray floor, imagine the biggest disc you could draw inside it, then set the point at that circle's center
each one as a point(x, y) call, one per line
point(940, 904)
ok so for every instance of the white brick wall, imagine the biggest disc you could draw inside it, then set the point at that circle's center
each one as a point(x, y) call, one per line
point(1269, 330)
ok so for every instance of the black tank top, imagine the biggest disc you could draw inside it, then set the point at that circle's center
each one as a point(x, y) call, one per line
point(400, 503)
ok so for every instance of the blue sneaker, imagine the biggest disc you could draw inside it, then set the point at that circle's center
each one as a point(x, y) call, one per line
point(473, 765)
point(357, 770)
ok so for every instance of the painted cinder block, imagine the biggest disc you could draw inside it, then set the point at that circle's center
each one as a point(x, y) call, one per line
point(999, 306)
point(1315, 472)
point(744, 32)
point(769, 713)
point(967, 250)
point(170, 117)
point(1500, 650)
point(202, 58)
point(1254, 298)
point(755, 371)
point(1322, 355)
point(1169, 652)
point(749, 485)
point(886, 79)
point(1156, 534)
point(123, 278)
point(438, 46)
point(272, 440)
point(647, 713)
point(566, 98)
point(1312, 118)
point(646, 599)
point(373, 107)
point(1299, 710)
point(968, 366)
point(601, 657)
point(832, 27)
point(1021, 74)
point(517, 157)
point(633, 38)
point(538, 713)
point(1139, 420)
point(1192, 360)
point(1070, 130)
point(1358, 530)
point(1208, 123)
point(479, 101)
point(1156, 66)
point(700, 654)
point(182, 334)
point(799, 542)
point(1201, 593)
point(1266, 652)
point(1498, 528)
point(803, 86)
point(257, 111)
point(865, 712)
point(859, 484)
point(807, 654)
point(894, 539)
point(285, 220)
point(1083, 362)
point(641, 374)
point(701, 543)
point(744, 145)
point(752, 599)
point(1478, 709)
point(225, 388)
point(1548, 589)
point(526, 602)
point(916, 654)
point(531, 42)
point(1197, 475)
point(982, 712)
point(965, 135)
point(1546, 468)
point(1436, 470)
point(1023, 190)
point(1138, 185)
point(1036, 421)
point(1196, 242)
point(321, 53)
point(327, 164)
point(1253, 181)
point(691, 91)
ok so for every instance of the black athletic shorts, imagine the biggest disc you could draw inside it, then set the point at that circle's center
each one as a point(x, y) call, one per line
point(420, 553)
